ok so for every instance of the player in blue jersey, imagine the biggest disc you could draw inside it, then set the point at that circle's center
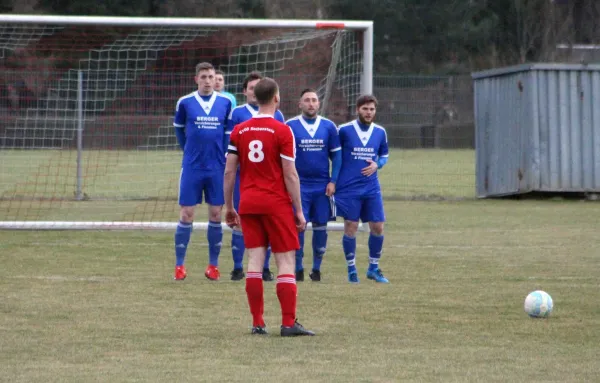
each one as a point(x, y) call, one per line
point(358, 194)
point(317, 142)
point(201, 120)
point(220, 87)
point(238, 115)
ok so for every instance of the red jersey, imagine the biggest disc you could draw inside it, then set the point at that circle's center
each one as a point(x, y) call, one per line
point(261, 143)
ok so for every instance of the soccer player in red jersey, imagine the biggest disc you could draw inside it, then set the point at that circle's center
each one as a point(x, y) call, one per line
point(270, 209)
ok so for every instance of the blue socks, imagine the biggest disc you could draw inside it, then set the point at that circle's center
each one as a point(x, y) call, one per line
point(319, 245)
point(214, 235)
point(267, 258)
point(375, 248)
point(300, 252)
point(182, 239)
point(237, 249)
point(349, 244)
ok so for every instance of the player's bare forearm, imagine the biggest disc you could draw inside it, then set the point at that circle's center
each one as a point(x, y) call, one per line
point(292, 184)
point(229, 179)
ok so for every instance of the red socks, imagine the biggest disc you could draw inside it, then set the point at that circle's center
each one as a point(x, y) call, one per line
point(286, 292)
point(254, 291)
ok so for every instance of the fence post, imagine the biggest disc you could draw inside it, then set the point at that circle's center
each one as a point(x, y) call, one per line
point(79, 192)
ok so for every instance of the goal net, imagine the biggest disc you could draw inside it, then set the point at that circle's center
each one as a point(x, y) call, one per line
point(87, 104)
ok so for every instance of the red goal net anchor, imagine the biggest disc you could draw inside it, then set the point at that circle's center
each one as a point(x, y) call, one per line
point(331, 26)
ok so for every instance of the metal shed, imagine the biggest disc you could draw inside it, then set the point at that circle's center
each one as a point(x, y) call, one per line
point(537, 129)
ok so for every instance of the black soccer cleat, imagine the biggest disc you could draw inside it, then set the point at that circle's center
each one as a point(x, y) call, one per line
point(237, 274)
point(296, 330)
point(300, 276)
point(267, 275)
point(259, 330)
point(315, 276)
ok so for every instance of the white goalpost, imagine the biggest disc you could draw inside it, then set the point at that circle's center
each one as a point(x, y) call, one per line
point(86, 106)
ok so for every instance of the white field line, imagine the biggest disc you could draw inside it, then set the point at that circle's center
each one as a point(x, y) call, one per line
point(332, 244)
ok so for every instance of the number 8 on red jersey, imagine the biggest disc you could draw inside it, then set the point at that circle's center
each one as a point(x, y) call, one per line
point(261, 143)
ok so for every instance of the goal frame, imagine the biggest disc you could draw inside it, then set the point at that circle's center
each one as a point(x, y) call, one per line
point(365, 26)
point(366, 87)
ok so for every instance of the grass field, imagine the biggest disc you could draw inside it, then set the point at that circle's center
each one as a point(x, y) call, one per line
point(101, 306)
point(136, 186)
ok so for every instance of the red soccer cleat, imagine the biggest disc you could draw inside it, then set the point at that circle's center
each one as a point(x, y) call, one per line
point(212, 273)
point(180, 273)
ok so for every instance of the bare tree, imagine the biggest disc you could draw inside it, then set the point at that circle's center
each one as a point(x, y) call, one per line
point(201, 8)
point(24, 6)
point(531, 25)
point(541, 26)
point(559, 31)
point(299, 9)
point(587, 21)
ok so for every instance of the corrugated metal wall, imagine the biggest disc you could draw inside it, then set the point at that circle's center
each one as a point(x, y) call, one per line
point(537, 129)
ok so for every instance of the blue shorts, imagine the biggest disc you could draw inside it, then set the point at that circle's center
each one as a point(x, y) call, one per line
point(316, 205)
point(367, 208)
point(192, 183)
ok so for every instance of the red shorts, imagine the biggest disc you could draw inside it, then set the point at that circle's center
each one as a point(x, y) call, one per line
point(277, 230)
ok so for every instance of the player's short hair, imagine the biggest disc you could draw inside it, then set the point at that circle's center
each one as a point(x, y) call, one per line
point(204, 66)
point(307, 90)
point(366, 99)
point(219, 71)
point(254, 75)
point(265, 90)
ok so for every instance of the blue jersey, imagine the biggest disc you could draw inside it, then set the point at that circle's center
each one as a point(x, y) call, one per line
point(245, 112)
point(231, 97)
point(315, 140)
point(358, 146)
point(205, 120)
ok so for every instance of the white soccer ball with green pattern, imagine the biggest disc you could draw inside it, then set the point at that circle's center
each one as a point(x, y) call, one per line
point(538, 304)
